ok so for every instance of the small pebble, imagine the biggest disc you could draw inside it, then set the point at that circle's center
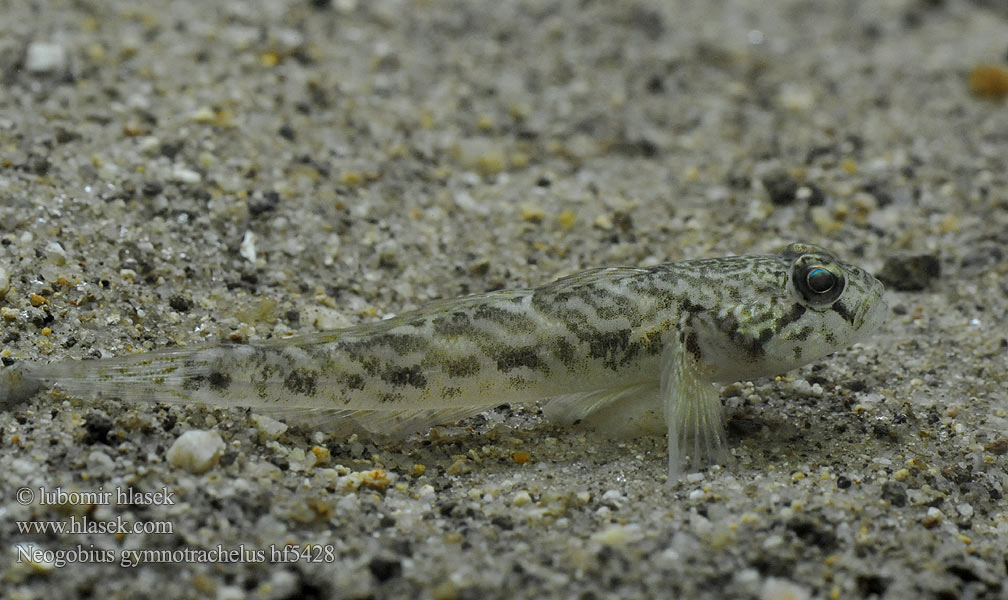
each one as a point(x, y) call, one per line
point(376, 479)
point(322, 455)
point(248, 247)
point(269, 428)
point(810, 195)
point(44, 57)
point(910, 273)
point(196, 451)
point(34, 563)
point(618, 535)
point(532, 213)
point(55, 253)
point(895, 493)
point(934, 518)
point(613, 496)
point(781, 188)
point(989, 81)
point(98, 461)
point(4, 282)
point(603, 222)
point(796, 97)
point(230, 592)
point(203, 115)
point(384, 569)
point(184, 175)
point(998, 447)
point(782, 589)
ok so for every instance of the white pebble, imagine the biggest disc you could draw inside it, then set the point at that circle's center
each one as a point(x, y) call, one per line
point(269, 428)
point(230, 592)
point(248, 247)
point(4, 282)
point(203, 115)
point(965, 510)
point(324, 318)
point(43, 57)
point(100, 462)
point(782, 589)
point(196, 450)
point(618, 535)
point(184, 175)
point(465, 201)
point(796, 97)
point(746, 576)
point(55, 253)
point(33, 564)
point(149, 144)
point(282, 584)
point(287, 39)
point(612, 496)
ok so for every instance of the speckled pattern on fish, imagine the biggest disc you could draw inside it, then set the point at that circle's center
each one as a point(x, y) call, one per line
point(622, 349)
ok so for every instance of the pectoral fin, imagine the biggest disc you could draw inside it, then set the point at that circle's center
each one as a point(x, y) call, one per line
point(693, 413)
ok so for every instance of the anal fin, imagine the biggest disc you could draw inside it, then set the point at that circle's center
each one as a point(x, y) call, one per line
point(374, 424)
point(619, 413)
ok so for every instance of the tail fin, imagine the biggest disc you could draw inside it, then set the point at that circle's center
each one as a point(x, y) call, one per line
point(155, 376)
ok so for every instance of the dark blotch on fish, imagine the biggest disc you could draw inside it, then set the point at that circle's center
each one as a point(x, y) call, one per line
point(402, 376)
point(301, 381)
point(526, 356)
point(462, 367)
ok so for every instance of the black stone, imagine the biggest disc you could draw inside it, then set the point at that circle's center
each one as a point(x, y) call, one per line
point(869, 585)
point(269, 202)
point(96, 427)
point(782, 188)
point(180, 303)
point(503, 522)
point(895, 493)
point(151, 188)
point(384, 569)
point(911, 273)
point(812, 533)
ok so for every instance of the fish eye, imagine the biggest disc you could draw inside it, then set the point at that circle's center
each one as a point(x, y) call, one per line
point(820, 280)
point(817, 284)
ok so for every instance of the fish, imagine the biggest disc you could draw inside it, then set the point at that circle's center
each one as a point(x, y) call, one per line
point(621, 350)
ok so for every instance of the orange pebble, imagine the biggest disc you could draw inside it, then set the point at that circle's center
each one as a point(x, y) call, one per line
point(989, 81)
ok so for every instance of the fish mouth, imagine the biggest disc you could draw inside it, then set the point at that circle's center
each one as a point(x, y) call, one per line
point(873, 312)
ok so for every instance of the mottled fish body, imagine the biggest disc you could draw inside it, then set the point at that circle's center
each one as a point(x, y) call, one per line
point(624, 349)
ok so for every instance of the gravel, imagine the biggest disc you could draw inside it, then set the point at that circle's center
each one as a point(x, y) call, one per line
point(203, 172)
